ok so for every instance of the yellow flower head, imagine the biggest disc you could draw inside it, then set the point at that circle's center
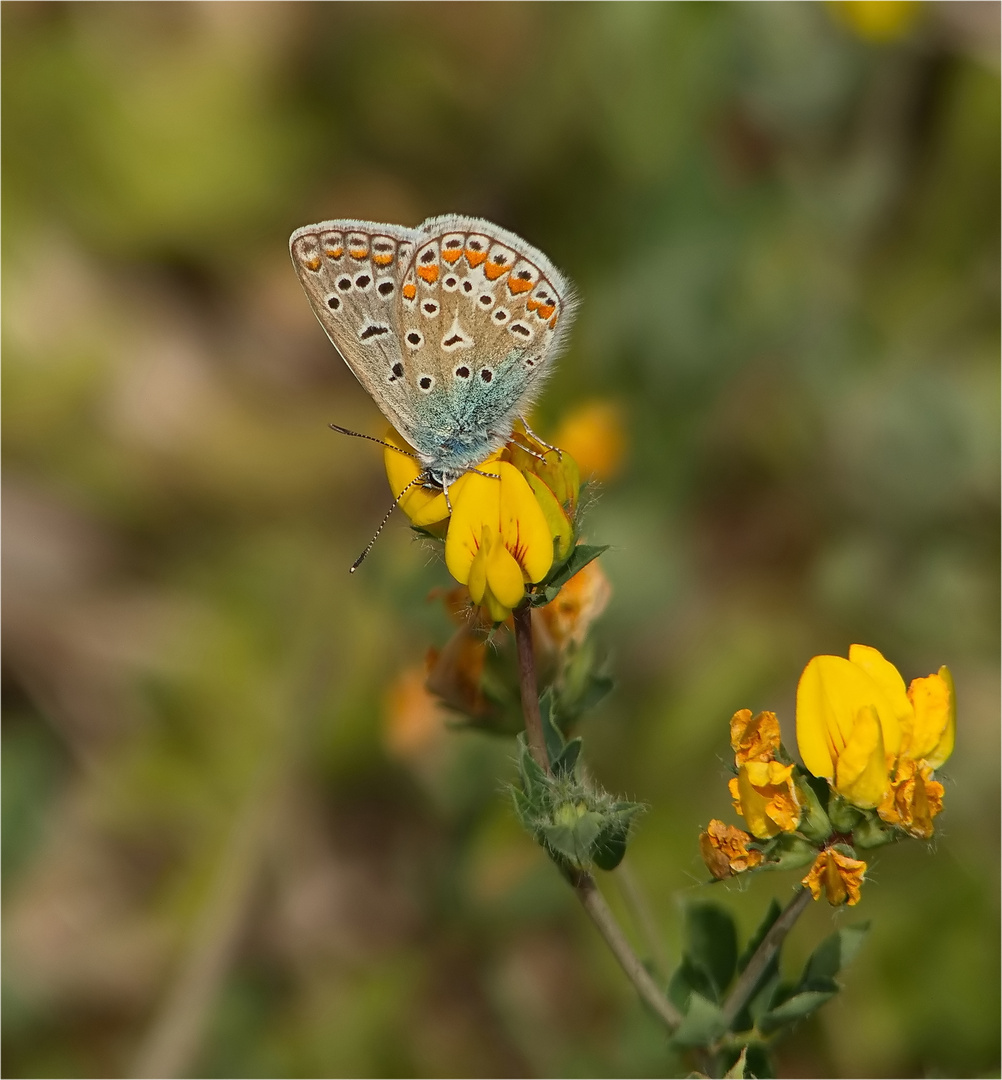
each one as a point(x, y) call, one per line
point(765, 796)
point(913, 800)
point(504, 521)
point(725, 850)
point(840, 876)
point(855, 720)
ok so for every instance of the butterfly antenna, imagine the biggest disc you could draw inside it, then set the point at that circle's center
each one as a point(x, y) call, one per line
point(372, 438)
point(386, 517)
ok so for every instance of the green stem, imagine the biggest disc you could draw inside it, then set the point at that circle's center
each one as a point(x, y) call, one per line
point(763, 955)
point(584, 884)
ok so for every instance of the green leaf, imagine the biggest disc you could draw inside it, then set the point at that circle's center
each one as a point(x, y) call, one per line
point(814, 823)
point(703, 1023)
point(712, 943)
point(687, 979)
point(581, 555)
point(574, 834)
point(834, 953)
point(793, 1009)
point(566, 760)
point(737, 1070)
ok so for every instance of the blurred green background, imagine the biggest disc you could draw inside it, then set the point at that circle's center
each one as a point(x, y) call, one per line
point(783, 222)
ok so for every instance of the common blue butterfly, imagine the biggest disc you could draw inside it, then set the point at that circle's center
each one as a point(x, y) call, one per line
point(451, 327)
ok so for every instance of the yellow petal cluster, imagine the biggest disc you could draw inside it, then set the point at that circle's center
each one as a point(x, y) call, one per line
point(504, 522)
point(859, 727)
point(838, 876)
point(725, 850)
point(764, 792)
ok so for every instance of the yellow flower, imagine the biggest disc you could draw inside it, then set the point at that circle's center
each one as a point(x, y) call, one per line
point(498, 538)
point(857, 725)
point(725, 850)
point(765, 796)
point(556, 468)
point(839, 875)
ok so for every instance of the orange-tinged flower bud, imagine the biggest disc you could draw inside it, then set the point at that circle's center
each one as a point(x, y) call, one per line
point(725, 850)
point(838, 875)
point(754, 738)
point(913, 800)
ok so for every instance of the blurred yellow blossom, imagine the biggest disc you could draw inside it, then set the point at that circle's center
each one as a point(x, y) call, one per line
point(594, 434)
point(754, 738)
point(725, 850)
point(878, 20)
point(838, 875)
point(568, 618)
point(765, 796)
point(414, 717)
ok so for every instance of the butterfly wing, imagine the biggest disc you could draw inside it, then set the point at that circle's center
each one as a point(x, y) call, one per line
point(451, 327)
point(483, 315)
point(352, 273)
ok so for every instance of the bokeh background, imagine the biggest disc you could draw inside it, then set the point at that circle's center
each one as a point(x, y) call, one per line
point(224, 851)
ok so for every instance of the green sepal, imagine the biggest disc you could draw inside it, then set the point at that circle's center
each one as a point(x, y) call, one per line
point(566, 761)
point(843, 816)
point(610, 845)
point(758, 1063)
point(552, 735)
point(814, 823)
point(788, 851)
point(703, 1025)
point(737, 1070)
point(871, 832)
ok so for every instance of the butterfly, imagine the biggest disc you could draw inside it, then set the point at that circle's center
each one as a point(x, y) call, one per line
point(451, 327)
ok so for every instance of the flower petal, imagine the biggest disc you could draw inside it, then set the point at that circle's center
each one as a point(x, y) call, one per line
point(504, 576)
point(861, 772)
point(935, 719)
point(476, 501)
point(424, 506)
point(893, 701)
point(523, 524)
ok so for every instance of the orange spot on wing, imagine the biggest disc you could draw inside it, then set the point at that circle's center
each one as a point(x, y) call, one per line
point(409, 290)
point(494, 270)
point(334, 253)
point(517, 285)
point(382, 260)
point(553, 323)
point(546, 310)
point(358, 252)
point(452, 254)
point(475, 258)
point(428, 273)
point(314, 263)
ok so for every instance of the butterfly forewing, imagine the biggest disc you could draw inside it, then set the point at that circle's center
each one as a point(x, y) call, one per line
point(352, 273)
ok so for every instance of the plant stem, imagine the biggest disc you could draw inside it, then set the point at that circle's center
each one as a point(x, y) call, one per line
point(764, 954)
point(583, 883)
point(527, 682)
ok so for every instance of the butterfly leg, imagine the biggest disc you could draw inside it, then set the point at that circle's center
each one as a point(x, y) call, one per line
point(542, 442)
